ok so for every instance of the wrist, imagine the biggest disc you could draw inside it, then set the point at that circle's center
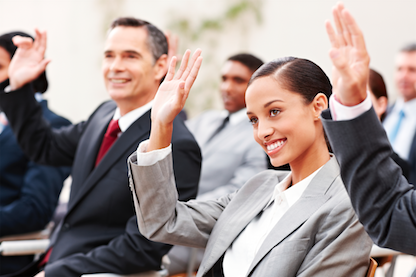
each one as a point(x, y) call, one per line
point(160, 136)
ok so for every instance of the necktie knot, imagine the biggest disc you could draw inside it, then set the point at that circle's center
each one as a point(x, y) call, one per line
point(113, 128)
point(396, 128)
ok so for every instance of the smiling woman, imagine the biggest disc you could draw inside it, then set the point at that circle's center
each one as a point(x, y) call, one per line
point(278, 224)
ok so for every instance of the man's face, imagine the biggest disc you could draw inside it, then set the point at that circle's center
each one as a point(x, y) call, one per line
point(130, 73)
point(235, 77)
point(4, 64)
point(406, 74)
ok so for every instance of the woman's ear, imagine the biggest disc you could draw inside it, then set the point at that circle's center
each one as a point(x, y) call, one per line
point(382, 104)
point(319, 104)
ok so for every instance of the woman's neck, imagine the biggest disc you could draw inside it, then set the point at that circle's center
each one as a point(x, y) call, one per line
point(311, 160)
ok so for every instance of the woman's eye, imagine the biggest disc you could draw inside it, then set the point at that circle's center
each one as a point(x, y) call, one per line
point(253, 120)
point(274, 112)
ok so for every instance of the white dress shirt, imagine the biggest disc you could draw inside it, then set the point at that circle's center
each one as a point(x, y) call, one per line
point(129, 118)
point(242, 251)
point(404, 138)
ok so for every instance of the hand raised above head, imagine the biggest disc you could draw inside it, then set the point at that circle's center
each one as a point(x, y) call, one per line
point(28, 62)
point(171, 97)
point(349, 58)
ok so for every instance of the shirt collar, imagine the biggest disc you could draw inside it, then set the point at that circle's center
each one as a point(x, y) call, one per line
point(408, 107)
point(126, 120)
point(38, 97)
point(293, 193)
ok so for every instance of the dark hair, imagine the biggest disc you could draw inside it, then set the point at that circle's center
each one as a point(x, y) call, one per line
point(156, 41)
point(411, 47)
point(250, 61)
point(298, 75)
point(377, 86)
point(41, 83)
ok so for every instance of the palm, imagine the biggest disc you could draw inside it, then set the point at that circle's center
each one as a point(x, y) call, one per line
point(349, 57)
point(173, 92)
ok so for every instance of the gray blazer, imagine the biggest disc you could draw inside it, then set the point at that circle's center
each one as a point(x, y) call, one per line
point(318, 236)
point(230, 159)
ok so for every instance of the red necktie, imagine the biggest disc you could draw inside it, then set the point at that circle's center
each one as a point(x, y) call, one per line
point(109, 138)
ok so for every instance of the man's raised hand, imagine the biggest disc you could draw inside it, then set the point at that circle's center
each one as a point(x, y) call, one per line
point(349, 58)
point(28, 62)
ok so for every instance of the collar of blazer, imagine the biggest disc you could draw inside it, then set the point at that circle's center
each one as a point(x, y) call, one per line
point(251, 199)
point(136, 133)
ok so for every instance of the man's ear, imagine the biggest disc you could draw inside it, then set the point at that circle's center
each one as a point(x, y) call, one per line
point(320, 103)
point(161, 67)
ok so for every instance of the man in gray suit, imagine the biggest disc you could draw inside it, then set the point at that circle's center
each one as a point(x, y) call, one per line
point(230, 154)
point(382, 198)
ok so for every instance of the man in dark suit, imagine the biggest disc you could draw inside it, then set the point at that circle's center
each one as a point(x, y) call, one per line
point(99, 232)
point(29, 192)
point(400, 122)
point(382, 198)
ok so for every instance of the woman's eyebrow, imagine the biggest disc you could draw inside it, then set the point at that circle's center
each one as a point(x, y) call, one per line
point(271, 102)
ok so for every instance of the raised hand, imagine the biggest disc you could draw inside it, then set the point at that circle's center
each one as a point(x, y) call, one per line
point(28, 62)
point(349, 58)
point(171, 97)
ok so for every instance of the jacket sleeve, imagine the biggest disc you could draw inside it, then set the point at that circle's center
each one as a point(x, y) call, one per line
point(382, 198)
point(160, 216)
point(38, 140)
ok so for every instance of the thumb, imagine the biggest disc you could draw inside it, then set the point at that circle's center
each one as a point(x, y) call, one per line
point(42, 66)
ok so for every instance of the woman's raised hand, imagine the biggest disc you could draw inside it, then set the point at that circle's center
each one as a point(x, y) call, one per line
point(171, 97)
point(349, 58)
point(28, 62)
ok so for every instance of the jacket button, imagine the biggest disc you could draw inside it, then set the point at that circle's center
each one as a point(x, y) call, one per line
point(66, 226)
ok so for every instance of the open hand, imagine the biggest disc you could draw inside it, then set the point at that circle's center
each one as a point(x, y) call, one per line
point(173, 92)
point(28, 62)
point(349, 58)
point(171, 97)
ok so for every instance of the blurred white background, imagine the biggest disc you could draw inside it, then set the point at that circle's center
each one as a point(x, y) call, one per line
point(266, 28)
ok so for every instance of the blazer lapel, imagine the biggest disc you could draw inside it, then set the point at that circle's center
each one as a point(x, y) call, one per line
point(311, 200)
point(137, 132)
point(238, 220)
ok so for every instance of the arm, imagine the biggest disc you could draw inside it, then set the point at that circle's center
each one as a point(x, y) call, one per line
point(382, 198)
point(159, 214)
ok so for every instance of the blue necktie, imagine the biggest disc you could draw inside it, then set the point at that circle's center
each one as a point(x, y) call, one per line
point(396, 129)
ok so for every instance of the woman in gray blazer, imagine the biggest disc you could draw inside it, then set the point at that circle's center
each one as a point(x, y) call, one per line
point(278, 224)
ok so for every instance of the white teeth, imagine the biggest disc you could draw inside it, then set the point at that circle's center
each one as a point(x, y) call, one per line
point(274, 145)
point(118, 81)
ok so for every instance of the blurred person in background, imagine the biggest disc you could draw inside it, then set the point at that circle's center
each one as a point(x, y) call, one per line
point(400, 122)
point(29, 192)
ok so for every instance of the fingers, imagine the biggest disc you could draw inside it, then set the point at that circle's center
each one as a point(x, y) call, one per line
point(184, 63)
point(357, 38)
point(193, 74)
point(22, 42)
point(188, 70)
point(331, 34)
point(171, 69)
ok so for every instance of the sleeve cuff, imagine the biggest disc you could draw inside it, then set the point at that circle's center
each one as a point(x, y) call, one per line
point(150, 158)
point(340, 112)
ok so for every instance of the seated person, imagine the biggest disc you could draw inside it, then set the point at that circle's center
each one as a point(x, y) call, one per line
point(379, 98)
point(29, 191)
point(228, 161)
point(298, 223)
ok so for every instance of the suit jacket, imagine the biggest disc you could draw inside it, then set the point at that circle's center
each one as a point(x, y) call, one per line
point(98, 233)
point(383, 199)
point(318, 236)
point(29, 192)
point(230, 158)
